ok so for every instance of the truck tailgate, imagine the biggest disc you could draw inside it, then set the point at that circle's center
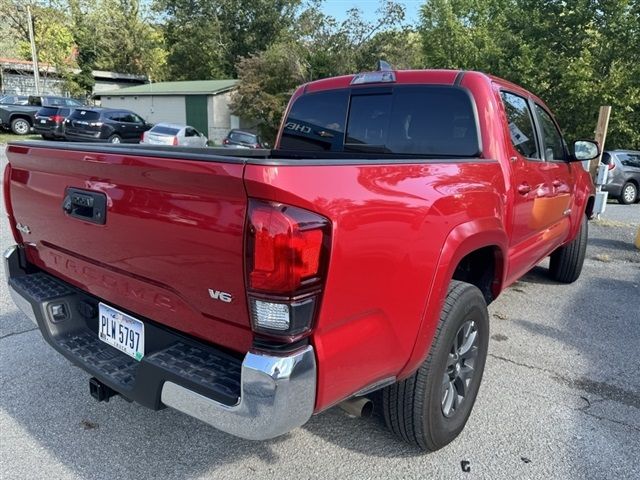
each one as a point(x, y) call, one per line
point(173, 230)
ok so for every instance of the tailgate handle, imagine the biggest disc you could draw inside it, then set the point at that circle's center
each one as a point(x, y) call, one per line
point(85, 205)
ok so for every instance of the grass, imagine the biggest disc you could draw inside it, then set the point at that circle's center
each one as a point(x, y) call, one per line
point(10, 137)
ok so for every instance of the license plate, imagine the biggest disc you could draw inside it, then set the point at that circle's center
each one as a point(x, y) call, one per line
point(121, 331)
point(43, 121)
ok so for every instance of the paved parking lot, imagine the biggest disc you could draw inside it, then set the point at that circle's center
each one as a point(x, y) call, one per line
point(560, 398)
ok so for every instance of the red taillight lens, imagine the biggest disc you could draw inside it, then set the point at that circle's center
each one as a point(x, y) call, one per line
point(57, 118)
point(286, 247)
point(612, 165)
point(225, 141)
point(287, 255)
point(175, 141)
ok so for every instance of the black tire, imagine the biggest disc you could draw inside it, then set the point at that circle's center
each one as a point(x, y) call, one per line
point(414, 408)
point(20, 126)
point(566, 262)
point(628, 194)
point(115, 139)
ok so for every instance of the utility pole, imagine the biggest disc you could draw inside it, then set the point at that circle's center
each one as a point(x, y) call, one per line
point(34, 53)
point(598, 171)
point(600, 137)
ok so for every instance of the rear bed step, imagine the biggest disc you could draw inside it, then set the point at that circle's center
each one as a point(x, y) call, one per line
point(168, 357)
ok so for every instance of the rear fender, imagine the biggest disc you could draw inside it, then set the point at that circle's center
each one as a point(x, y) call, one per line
point(461, 241)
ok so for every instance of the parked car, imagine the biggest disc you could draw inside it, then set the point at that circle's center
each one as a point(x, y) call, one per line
point(14, 100)
point(174, 134)
point(104, 125)
point(241, 139)
point(49, 122)
point(252, 290)
point(623, 182)
point(21, 118)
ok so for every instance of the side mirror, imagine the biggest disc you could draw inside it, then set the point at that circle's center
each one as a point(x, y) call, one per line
point(585, 150)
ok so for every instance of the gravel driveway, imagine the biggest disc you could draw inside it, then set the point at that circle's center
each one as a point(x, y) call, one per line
point(560, 398)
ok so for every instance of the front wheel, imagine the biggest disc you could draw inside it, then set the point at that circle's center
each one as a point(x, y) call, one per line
point(115, 139)
point(431, 407)
point(629, 194)
point(566, 262)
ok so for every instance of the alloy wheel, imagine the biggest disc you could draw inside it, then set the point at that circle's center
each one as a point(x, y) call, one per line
point(460, 369)
point(629, 194)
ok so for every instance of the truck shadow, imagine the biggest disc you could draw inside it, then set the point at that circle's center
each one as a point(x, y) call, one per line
point(47, 401)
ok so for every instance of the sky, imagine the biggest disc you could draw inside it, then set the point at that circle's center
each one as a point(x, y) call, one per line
point(338, 8)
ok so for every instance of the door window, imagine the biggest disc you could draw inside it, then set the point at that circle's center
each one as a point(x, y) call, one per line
point(553, 143)
point(521, 128)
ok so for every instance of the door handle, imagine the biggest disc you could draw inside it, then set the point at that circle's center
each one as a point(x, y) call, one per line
point(524, 188)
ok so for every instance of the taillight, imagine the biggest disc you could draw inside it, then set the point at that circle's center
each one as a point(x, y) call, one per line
point(612, 165)
point(175, 141)
point(225, 141)
point(143, 137)
point(287, 254)
point(57, 118)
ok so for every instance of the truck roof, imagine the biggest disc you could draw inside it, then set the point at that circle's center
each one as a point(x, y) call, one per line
point(426, 76)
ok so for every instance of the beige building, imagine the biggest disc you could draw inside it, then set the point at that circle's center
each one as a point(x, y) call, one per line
point(203, 104)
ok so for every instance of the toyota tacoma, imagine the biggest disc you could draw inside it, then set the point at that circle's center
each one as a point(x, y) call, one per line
point(253, 289)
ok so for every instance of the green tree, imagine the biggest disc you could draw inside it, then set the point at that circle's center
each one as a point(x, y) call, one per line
point(205, 39)
point(317, 46)
point(575, 54)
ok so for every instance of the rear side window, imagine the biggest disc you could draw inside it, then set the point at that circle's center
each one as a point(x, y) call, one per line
point(162, 130)
point(316, 122)
point(521, 129)
point(89, 115)
point(404, 120)
point(630, 159)
point(553, 144)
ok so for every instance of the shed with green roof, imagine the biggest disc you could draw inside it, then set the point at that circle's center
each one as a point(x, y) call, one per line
point(203, 104)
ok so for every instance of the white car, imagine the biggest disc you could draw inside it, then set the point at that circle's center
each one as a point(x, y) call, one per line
point(174, 134)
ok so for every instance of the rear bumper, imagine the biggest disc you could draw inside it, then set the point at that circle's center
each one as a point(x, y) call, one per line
point(258, 397)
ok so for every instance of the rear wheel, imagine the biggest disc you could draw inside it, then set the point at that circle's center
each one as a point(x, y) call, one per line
point(629, 194)
point(430, 408)
point(115, 139)
point(566, 262)
point(20, 126)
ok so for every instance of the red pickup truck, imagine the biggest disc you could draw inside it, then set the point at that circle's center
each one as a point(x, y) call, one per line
point(252, 289)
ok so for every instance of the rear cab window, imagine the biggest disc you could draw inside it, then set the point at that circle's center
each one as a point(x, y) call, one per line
point(416, 120)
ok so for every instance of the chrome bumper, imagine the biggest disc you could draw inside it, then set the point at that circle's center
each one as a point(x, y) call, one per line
point(277, 392)
point(278, 395)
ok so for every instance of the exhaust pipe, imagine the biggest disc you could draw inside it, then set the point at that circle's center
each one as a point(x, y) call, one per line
point(358, 407)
